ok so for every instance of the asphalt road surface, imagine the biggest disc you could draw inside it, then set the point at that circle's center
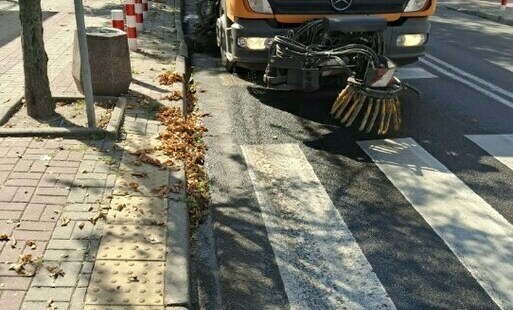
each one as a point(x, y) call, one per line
point(307, 214)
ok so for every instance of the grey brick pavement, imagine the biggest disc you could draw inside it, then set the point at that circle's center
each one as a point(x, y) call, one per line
point(44, 181)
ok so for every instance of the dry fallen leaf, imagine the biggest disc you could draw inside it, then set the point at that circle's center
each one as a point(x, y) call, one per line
point(25, 266)
point(152, 239)
point(81, 225)
point(134, 185)
point(13, 243)
point(176, 188)
point(140, 175)
point(65, 221)
point(95, 218)
point(120, 207)
point(50, 305)
point(145, 158)
point(25, 258)
point(55, 271)
point(31, 244)
point(16, 267)
point(133, 279)
point(4, 237)
point(161, 191)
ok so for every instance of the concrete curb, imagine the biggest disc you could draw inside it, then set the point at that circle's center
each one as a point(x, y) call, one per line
point(112, 128)
point(116, 119)
point(8, 110)
point(178, 272)
point(493, 15)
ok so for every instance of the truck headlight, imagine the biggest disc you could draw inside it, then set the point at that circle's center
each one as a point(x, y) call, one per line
point(260, 6)
point(409, 40)
point(415, 5)
point(251, 43)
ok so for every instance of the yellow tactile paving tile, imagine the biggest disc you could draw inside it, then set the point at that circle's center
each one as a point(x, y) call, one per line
point(116, 283)
point(137, 210)
point(133, 242)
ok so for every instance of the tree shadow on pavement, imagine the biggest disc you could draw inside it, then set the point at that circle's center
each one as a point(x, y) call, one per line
point(11, 26)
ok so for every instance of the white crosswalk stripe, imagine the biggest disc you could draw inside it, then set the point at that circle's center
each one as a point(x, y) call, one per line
point(477, 234)
point(320, 263)
point(499, 146)
point(301, 220)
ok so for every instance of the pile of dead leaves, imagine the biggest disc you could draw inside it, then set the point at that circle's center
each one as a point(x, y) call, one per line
point(103, 122)
point(183, 140)
point(149, 156)
point(174, 95)
point(169, 78)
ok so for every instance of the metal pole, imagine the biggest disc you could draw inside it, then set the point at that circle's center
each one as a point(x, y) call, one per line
point(84, 59)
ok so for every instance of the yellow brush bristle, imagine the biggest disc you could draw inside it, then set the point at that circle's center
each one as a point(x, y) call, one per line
point(353, 102)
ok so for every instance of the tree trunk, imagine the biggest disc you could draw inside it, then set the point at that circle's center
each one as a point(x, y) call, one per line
point(38, 96)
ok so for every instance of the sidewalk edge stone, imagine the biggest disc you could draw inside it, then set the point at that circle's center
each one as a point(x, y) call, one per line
point(483, 14)
point(178, 272)
point(8, 109)
point(53, 132)
point(177, 276)
point(116, 118)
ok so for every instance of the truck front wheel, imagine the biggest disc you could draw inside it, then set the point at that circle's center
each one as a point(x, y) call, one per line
point(221, 39)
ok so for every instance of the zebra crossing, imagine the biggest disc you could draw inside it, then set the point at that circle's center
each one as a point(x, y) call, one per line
point(499, 146)
point(311, 242)
point(319, 260)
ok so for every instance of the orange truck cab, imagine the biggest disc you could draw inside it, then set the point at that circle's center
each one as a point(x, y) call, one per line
point(245, 28)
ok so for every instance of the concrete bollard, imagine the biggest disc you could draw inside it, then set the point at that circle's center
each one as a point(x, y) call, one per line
point(109, 60)
point(139, 19)
point(504, 5)
point(118, 20)
point(145, 9)
point(131, 24)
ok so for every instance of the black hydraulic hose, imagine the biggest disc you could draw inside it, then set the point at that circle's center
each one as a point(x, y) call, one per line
point(285, 47)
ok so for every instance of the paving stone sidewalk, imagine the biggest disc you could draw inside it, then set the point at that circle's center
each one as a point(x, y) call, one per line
point(91, 207)
point(59, 31)
point(489, 9)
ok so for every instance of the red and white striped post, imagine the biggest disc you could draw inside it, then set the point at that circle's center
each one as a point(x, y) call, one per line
point(504, 4)
point(131, 29)
point(145, 9)
point(118, 19)
point(139, 19)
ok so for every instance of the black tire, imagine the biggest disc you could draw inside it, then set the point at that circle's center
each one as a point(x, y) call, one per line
point(228, 65)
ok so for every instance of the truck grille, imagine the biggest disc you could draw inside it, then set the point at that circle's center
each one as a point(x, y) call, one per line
point(324, 7)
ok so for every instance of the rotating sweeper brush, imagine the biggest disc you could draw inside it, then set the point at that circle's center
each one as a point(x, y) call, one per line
point(375, 106)
point(322, 49)
point(374, 99)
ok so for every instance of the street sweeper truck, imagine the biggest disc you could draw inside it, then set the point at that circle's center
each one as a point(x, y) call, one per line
point(301, 44)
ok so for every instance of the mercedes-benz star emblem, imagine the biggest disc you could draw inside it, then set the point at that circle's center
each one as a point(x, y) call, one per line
point(341, 5)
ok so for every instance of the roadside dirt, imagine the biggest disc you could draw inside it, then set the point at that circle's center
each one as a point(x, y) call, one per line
point(68, 114)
